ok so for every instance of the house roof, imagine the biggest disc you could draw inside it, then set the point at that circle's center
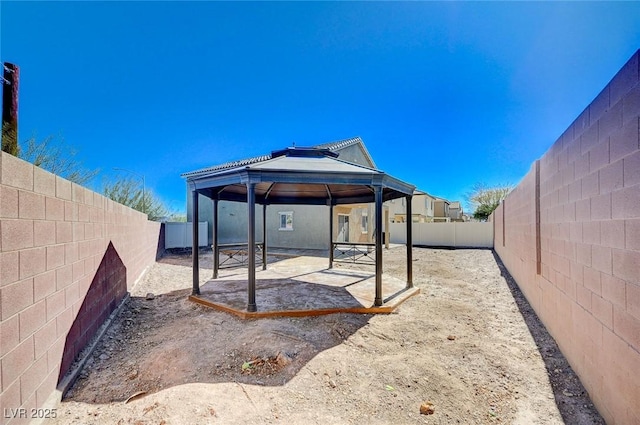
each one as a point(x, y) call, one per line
point(419, 192)
point(341, 144)
point(311, 176)
point(331, 146)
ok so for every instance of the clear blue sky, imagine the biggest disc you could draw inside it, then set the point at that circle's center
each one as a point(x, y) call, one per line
point(444, 94)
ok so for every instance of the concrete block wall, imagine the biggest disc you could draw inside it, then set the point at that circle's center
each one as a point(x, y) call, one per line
point(108, 288)
point(584, 281)
point(54, 235)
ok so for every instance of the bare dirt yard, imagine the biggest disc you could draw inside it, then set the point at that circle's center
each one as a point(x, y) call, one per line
point(468, 349)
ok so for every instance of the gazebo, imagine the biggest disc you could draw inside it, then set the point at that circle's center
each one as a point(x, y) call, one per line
point(294, 176)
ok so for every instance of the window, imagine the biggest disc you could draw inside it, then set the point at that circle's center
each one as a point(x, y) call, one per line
point(286, 220)
point(365, 221)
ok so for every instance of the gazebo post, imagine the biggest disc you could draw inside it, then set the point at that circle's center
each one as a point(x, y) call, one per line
point(264, 237)
point(251, 242)
point(409, 243)
point(216, 253)
point(378, 199)
point(195, 249)
point(330, 235)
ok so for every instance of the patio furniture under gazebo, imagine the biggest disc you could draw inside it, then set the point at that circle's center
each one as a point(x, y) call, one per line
point(297, 176)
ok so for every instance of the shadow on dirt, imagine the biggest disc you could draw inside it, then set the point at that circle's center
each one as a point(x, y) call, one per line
point(166, 341)
point(572, 399)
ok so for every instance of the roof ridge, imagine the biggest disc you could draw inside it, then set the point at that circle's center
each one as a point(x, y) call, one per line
point(339, 143)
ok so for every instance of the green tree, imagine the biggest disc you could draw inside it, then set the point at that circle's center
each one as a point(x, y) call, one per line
point(55, 156)
point(483, 211)
point(10, 138)
point(486, 199)
point(129, 192)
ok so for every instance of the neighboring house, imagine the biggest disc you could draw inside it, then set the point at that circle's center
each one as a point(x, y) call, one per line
point(293, 226)
point(441, 210)
point(447, 211)
point(422, 208)
point(455, 211)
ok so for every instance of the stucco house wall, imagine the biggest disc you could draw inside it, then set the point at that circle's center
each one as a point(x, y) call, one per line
point(441, 208)
point(422, 208)
point(455, 211)
point(357, 231)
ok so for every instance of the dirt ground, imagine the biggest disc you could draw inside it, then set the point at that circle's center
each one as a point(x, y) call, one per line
point(469, 345)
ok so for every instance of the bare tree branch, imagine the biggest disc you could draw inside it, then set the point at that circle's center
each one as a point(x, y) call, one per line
point(128, 191)
point(486, 199)
point(55, 156)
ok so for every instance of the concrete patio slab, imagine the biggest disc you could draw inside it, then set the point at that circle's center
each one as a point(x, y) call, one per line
point(303, 286)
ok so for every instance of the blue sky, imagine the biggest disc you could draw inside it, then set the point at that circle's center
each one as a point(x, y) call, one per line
point(444, 95)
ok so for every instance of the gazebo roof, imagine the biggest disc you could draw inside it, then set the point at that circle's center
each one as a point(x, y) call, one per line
point(332, 146)
point(310, 176)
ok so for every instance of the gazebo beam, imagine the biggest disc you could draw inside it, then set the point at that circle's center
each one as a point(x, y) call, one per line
point(195, 245)
point(378, 198)
point(251, 239)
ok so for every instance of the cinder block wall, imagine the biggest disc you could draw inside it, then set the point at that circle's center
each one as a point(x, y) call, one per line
point(108, 288)
point(54, 235)
point(570, 236)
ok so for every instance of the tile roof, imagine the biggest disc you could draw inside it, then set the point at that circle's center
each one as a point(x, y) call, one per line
point(339, 144)
point(333, 146)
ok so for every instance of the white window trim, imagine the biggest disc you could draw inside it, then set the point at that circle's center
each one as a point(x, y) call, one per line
point(285, 213)
point(364, 229)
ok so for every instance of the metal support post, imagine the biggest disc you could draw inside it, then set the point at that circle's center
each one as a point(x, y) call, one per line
point(195, 248)
point(216, 250)
point(264, 237)
point(251, 239)
point(409, 243)
point(331, 236)
point(378, 199)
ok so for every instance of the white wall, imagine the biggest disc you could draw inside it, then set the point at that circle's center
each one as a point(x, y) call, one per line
point(476, 235)
point(180, 235)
